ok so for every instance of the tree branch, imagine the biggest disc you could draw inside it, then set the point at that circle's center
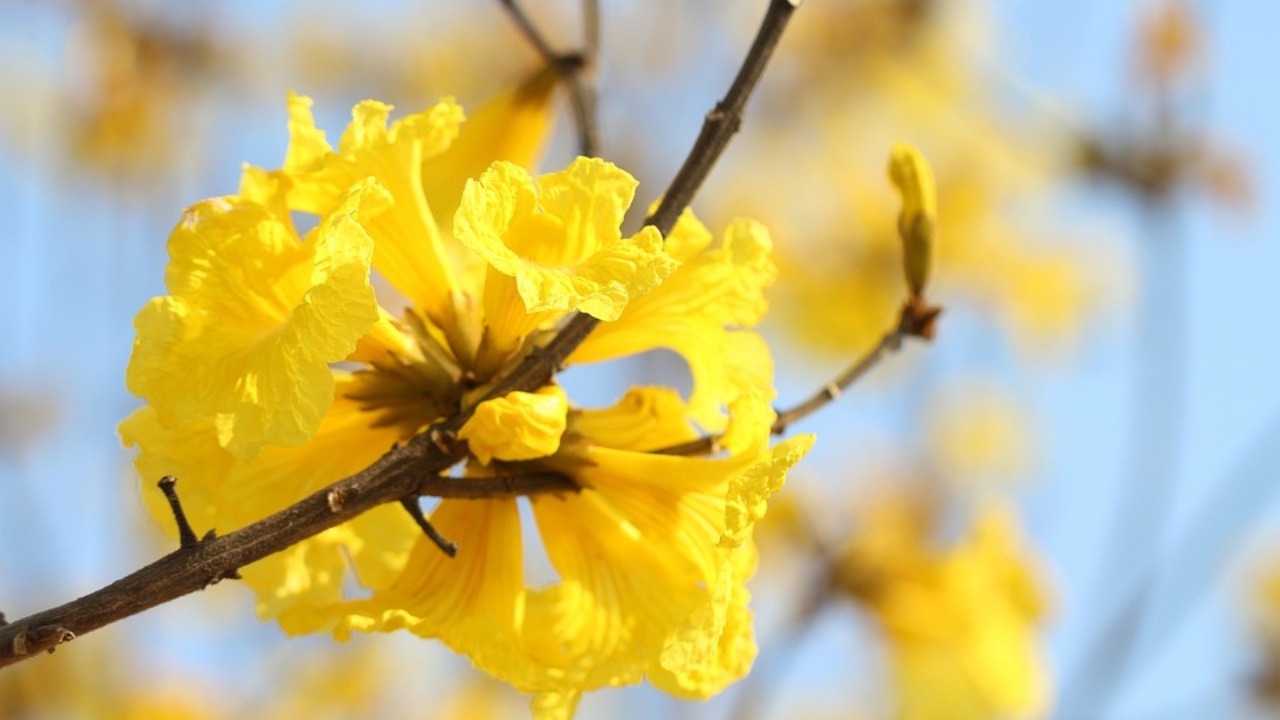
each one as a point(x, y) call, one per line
point(404, 471)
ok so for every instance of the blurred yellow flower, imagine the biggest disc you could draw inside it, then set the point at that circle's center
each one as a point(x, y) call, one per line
point(94, 683)
point(978, 435)
point(652, 553)
point(960, 623)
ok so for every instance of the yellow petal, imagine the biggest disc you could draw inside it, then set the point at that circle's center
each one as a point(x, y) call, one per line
point(512, 126)
point(652, 555)
point(693, 313)
point(646, 418)
point(558, 240)
point(518, 425)
point(961, 622)
point(716, 647)
point(748, 393)
point(474, 602)
point(749, 492)
point(410, 251)
point(254, 318)
point(555, 705)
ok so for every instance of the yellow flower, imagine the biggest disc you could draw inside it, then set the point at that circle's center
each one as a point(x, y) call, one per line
point(652, 556)
point(254, 317)
point(961, 623)
point(654, 551)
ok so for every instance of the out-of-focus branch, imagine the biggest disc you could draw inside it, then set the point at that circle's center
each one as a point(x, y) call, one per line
point(405, 471)
point(576, 69)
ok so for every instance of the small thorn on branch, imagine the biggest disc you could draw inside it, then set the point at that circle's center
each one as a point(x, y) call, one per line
point(186, 536)
point(448, 547)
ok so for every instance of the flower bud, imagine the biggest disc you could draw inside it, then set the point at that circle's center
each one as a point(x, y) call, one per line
point(917, 223)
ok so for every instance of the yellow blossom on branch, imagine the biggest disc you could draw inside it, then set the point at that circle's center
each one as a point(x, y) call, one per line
point(652, 552)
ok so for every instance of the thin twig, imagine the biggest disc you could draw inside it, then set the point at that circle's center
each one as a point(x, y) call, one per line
point(404, 471)
point(915, 320)
point(447, 546)
point(530, 31)
point(186, 536)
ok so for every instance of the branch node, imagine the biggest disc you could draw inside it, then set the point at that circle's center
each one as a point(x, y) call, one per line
point(61, 635)
point(339, 497)
point(443, 439)
point(448, 547)
point(919, 318)
point(20, 642)
point(186, 536)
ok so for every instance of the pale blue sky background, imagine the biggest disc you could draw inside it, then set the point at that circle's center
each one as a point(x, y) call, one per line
point(75, 265)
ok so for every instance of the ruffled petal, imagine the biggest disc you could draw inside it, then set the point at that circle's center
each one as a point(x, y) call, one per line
point(254, 318)
point(716, 646)
point(646, 418)
point(518, 426)
point(512, 126)
point(554, 246)
point(694, 313)
point(410, 250)
point(648, 553)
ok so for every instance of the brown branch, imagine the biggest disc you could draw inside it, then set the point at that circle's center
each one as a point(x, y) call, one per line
point(479, 488)
point(917, 319)
point(186, 536)
point(404, 471)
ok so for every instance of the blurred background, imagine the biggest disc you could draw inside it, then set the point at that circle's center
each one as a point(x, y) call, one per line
point(1064, 506)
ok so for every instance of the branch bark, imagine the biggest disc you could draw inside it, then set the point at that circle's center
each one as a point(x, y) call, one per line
point(405, 471)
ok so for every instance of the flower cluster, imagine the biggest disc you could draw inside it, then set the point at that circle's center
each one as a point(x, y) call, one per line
point(270, 370)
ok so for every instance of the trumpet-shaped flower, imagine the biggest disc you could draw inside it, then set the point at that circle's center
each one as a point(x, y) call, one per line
point(652, 553)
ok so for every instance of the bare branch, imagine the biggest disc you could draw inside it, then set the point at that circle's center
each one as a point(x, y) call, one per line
point(186, 536)
point(403, 472)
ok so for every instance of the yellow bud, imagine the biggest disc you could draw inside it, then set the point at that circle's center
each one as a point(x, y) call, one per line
point(917, 223)
point(518, 426)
